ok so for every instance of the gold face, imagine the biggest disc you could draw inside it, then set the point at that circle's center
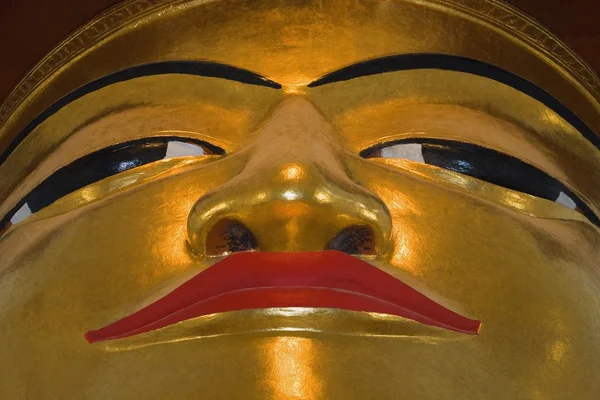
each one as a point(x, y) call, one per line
point(476, 191)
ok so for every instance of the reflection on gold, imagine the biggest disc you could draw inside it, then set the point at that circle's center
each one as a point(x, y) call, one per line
point(216, 209)
point(406, 250)
point(368, 214)
point(292, 172)
point(291, 195)
point(558, 350)
point(323, 196)
point(398, 200)
point(514, 200)
point(291, 369)
point(402, 254)
point(121, 183)
point(551, 117)
point(290, 210)
point(259, 197)
point(88, 194)
point(296, 85)
point(292, 229)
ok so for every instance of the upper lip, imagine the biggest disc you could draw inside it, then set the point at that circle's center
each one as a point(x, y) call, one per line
point(323, 279)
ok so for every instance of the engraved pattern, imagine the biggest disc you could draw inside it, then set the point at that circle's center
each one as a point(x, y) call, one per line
point(493, 12)
point(515, 23)
point(75, 44)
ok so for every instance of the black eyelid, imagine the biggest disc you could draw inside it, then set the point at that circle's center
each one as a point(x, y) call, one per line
point(157, 140)
point(515, 174)
point(99, 165)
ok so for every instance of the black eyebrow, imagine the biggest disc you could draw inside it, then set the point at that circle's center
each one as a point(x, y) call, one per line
point(200, 68)
point(404, 62)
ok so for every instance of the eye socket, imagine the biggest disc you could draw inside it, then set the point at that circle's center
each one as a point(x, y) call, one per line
point(102, 164)
point(485, 164)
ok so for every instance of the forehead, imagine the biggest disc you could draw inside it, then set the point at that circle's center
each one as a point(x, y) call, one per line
point(295, 42)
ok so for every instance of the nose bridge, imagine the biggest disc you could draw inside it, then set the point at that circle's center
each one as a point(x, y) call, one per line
point(293, 193)
point(296, 132)
point(297, 149)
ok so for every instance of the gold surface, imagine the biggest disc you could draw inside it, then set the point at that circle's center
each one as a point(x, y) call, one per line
point(528, 268)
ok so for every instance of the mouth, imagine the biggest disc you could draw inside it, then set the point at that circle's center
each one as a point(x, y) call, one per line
point(259, 280)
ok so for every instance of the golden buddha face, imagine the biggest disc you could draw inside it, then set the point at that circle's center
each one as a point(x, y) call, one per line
point(394, 225)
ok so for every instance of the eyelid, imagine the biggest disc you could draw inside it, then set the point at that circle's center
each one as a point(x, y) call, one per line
point(108, 161)
point(545, 184)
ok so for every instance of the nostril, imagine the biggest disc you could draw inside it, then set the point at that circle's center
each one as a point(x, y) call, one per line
point(229, 236)
point(357, 240)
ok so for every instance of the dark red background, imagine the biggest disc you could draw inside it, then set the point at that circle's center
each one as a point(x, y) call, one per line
point(30, 28)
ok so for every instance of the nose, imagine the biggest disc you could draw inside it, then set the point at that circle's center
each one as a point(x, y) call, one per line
point(292, 194)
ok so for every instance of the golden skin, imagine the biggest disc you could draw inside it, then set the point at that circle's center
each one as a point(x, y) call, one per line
point(526, 267)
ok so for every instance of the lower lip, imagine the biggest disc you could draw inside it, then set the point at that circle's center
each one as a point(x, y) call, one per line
point(326, 279)
point(281, 297)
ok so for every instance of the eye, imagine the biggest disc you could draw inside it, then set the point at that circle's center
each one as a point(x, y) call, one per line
point(102, 164)
point(485, 164)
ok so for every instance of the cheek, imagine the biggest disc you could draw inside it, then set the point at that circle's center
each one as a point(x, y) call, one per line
point(534, 295)
point(497, 263)
point(102, 264)
point(533, 282)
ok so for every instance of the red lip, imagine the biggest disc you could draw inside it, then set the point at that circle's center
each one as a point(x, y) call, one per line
point(324, 279)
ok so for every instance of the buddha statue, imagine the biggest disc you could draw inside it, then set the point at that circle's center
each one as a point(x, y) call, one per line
point(374, 199)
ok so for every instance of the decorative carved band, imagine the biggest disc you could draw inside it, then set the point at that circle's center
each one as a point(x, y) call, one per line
point(492, 12)
point(517, 24)
point(78, 42)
